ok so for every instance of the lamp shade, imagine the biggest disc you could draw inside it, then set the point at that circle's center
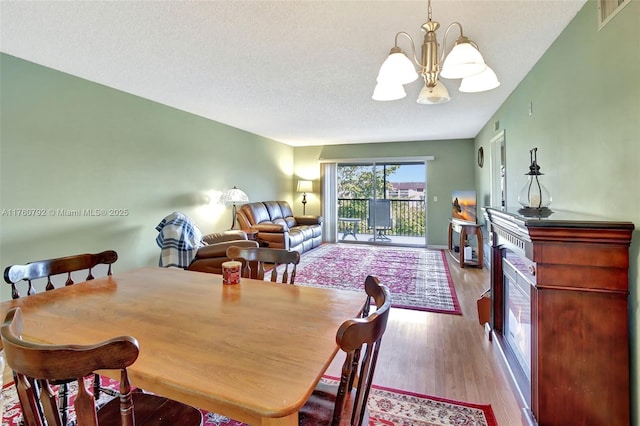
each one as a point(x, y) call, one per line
point(233, 196)
point(464, 60)
point(397, 69)
point(388, 92)
point(434, 95)
point(305, 186)
point(486, 80)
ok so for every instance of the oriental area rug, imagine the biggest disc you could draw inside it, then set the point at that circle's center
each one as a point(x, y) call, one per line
point(417, 278)
point(387, 407)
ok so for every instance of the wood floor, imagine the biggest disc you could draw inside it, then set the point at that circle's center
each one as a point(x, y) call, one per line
point(445, 355)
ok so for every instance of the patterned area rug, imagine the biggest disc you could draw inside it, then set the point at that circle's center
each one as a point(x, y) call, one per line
point(418, 278)
point(387, 407)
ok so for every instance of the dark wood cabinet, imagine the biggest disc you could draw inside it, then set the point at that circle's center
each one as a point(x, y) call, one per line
point(559, 287)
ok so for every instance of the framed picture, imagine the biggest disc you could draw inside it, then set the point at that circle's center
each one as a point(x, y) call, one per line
point(463, 206)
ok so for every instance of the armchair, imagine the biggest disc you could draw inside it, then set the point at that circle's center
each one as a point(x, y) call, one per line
point(183, 245)
point(210, 257)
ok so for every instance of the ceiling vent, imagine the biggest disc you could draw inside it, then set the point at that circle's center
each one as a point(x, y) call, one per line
point(607, 9)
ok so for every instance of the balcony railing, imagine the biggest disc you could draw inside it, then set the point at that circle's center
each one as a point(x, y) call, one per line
point(407, 216)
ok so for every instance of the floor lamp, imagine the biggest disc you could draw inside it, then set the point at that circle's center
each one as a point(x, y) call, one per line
point(304, 186)
point(231, 197)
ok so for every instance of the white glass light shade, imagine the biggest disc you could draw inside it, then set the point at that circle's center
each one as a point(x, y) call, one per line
point(486, 80)
point(534, 195)
point(464, 60)
point(388, 92)
point(397, 69)
point(434, 95)
point(233, 196)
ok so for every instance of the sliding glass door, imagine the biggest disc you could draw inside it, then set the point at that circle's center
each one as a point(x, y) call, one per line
point(382, 202)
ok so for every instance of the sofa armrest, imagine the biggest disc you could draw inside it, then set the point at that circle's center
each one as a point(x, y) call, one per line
point(308, 220)
point(269, 227)
point(218, 237)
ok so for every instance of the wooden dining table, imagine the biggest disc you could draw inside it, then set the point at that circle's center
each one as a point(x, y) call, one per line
point(253, 351)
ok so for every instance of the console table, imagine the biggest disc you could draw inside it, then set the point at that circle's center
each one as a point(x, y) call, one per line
point(465, 229)
point(559, 289)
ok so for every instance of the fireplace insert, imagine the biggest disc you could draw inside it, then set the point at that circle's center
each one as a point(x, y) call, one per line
point(517, 283)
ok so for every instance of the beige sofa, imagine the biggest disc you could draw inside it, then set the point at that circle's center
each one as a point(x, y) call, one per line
point(277, 227)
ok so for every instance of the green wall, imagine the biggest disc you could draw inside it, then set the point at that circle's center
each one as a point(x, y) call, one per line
point(445, 173)
point(585, 122)
point(67, 143)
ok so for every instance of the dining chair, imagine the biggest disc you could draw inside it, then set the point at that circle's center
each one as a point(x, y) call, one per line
point(36, 366)
point(64, 267)
point(262, 258)
point(345, 403)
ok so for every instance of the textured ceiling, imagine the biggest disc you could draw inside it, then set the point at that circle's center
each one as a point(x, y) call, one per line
point(300, 72)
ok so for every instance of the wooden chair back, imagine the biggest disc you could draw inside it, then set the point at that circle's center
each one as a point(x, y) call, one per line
point(49, 268)
point(64, 265)
point(36, 366)
point(360, 339)
point(260, 258)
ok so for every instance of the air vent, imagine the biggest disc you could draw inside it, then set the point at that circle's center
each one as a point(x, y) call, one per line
point(607, 9)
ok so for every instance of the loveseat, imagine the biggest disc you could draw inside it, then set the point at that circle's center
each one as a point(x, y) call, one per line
point(277, 227)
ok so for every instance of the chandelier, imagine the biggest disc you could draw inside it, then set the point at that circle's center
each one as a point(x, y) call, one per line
point(464, 61)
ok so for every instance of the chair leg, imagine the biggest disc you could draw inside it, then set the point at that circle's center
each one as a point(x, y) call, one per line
point(63, 395)
point(96, 386)
point(382, 236)
point(39, 411)
point(98, 389)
